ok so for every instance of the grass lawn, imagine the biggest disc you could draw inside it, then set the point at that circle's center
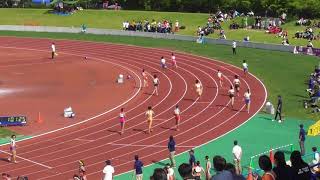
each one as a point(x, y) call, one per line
point(282, 73)
point(113, 20)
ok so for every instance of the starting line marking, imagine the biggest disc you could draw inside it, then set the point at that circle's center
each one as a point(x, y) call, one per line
point(146, 145)
point(34, 162)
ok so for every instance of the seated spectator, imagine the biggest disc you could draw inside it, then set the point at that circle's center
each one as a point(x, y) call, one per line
point(159, 174)
point(301, 170)
point(197, 170)
point(316, 160)
point(266, 165)
point(231, 168)
point(310, 45)
point(219, 164)
point(185, 171)
point(170, 172)
point(246, 39)
point(281, 169)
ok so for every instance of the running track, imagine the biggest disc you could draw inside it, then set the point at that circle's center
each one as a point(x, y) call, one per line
point(54, 155)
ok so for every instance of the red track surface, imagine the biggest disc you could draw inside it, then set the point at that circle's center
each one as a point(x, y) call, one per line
point(55, 155)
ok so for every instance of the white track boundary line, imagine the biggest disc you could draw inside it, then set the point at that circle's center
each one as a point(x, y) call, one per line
point(33, 162)
point(146, 145)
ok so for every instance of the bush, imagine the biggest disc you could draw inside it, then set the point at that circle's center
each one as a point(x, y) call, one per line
point(182, 27)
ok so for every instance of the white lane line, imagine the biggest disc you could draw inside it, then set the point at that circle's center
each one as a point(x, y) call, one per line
point(84, 140)
point(146, 145)
point(25, 159)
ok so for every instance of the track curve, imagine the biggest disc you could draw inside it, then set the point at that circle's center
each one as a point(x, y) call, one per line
point(55, 155)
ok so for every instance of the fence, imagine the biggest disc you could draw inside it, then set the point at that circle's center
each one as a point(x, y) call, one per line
point(274, 47)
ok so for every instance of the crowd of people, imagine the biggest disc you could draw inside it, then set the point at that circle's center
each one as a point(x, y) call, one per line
point(164, 26)
point(314, 90)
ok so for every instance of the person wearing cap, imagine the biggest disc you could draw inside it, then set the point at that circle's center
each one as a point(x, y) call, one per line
point(108, 170)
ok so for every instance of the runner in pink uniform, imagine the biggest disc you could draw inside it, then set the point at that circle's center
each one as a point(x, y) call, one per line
point(122, 120)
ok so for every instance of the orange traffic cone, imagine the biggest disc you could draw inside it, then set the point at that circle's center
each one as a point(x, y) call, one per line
point(271, 156)
point(39, 119)
point(250, 176)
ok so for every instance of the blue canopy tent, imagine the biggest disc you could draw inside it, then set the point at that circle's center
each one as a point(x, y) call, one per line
point(41, 1)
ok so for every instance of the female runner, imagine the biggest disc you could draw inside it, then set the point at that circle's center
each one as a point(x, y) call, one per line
point(231, 93)
point(220, 78)
point(122, 120)
point(199, 88)
point(236, 83)
point(247, 99)
point(145, 78)
point(156, 83)
point(149, 114)
point(13, 149)
point(177, 116)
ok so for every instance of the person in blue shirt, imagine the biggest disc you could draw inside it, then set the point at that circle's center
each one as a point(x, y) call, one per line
point(172, 150)
point(192, 159)
point(302, 138)
point(138, 168)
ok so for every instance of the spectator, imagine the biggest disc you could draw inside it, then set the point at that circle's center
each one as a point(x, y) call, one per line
point(316, 159)
point(301, 170)
point(279, 110)
point(192, 158)
point(197, 170)
point(185, 171)
point(302, 138)
point(170, 172)
point(159, 174)
point(237, 153)
point(231, 168)
point(234, 46)
point(108, 170)
point(219, 164)
point(208, 168)
point(266, 165)
point(281, 169)
point(176, 26)
point(138, 168)
point(172, 150)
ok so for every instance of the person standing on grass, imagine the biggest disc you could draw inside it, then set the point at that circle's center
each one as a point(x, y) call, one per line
point(177, 116)
point(192, 158)
point(279, 110)
point(145, 78)
point(234, 46)
point(237, 154)
point(220, 78)
point(82, 170)
point(138, 165)
point(149, 114)
point(302, 138)
point(13, 149)
point(156, 83)
point(108, 170)
point(208, 167)
point(174, 61)
point(53, 50)
point(199, 88)
point(122, 119)
point(247, 100)
point(172, 150)
point(231, 93)
point(236, 84)
point(245, 67)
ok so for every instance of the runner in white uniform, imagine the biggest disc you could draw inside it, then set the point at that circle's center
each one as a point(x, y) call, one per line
point(247, 100)
point(236, 83)
point(174, 62)
point(145, 78)
point(163, 63)
point(231, 93)
point(220, 78)
point(53, 51)
point(177, 116)
point(199, 88)
point(156, 83)
point(245, 67)
point(13, 149)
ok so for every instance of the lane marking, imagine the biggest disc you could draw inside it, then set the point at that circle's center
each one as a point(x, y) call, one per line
point(34, 162)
